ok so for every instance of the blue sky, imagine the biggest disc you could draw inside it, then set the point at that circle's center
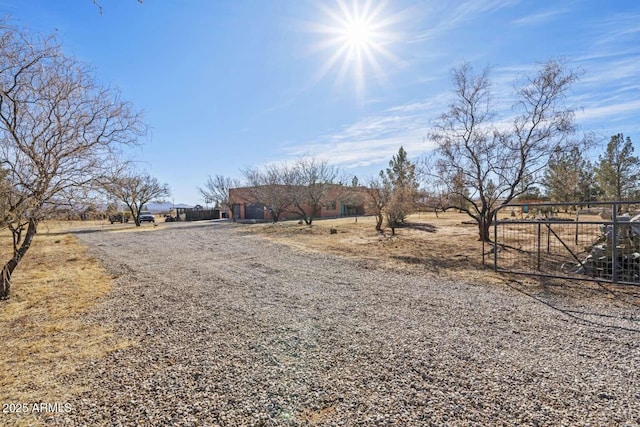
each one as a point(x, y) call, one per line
point(231, 84)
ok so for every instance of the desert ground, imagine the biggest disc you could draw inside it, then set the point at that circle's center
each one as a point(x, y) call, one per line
point(282, 324)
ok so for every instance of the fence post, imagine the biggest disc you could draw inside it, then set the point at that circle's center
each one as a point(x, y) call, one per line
point(495, 241)
point(614, 243)
point(539, 232)
point(577, 221)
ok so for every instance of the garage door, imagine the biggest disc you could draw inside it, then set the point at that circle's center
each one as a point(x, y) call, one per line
point(254, 211)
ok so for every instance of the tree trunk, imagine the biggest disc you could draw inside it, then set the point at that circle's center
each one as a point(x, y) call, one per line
point(5, 279)
point(379, 220)
point(303, 214)
point(136, 218)
point(314, 213)
point(484, 227)
point(10, 266)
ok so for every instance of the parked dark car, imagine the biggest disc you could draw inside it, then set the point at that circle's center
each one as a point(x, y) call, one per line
point(119, 217)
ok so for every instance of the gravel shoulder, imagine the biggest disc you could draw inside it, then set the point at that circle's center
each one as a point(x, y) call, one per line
point(232, 329)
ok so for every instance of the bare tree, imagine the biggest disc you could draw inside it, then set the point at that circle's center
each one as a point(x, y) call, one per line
point(217, 189)
point(273, 186)
point(6, 193)
point(486, 164)
point(439, 197)
point(379, 196)
point(433, 200)
point(135, 189)
point(316, 181)
point(57, 125)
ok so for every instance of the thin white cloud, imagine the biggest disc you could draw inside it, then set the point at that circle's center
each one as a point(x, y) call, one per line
point(351, 154)
point(470, 10)
point(616, 111)
point(446, 18)
point(607, 91)
point(617, 28)
point(538, 18)
point(605, 72)
point(376, 138)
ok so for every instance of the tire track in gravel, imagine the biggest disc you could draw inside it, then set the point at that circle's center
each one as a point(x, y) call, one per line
point(235, 330)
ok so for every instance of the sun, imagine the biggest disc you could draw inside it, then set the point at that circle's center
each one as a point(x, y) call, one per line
point(359, 37)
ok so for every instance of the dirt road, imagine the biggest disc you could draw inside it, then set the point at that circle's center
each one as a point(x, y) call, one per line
point(234, 330)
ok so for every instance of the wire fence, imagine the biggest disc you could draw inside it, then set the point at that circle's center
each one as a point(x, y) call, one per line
point(600, 241)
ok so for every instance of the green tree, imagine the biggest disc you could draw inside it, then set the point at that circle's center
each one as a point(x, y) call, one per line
point(568, 176)
point(618, 169)
point(402, 184)
point(588, 188)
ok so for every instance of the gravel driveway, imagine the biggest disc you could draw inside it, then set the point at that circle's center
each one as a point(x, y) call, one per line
point(235, 330)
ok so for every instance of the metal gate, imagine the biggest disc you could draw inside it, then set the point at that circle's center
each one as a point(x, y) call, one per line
point(598, 242)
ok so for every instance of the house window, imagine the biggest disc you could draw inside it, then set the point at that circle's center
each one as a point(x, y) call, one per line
point(330, 206)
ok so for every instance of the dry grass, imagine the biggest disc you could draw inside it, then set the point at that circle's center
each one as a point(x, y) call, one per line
point(45, 338)
point(447, 245)
point(62, 227)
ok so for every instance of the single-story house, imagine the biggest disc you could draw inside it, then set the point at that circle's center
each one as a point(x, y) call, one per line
point(339, 201)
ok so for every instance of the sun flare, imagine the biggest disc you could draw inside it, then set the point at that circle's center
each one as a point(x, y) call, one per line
point(358, 35)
